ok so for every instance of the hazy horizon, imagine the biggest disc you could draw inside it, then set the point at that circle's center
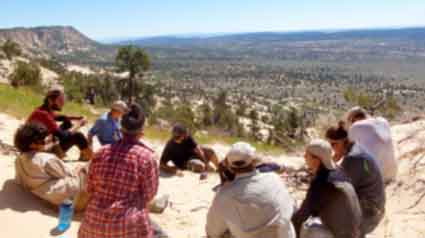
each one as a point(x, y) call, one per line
point(211, 34)
point(107, 19)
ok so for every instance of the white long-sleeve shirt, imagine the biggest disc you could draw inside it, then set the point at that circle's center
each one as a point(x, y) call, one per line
point(254, 205)
point(374, 134)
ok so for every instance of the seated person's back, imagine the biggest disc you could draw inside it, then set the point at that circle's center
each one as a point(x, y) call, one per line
point(375, 135)
point(252, 205)
point(260, 195)
point(123, 179)
point(365, 176)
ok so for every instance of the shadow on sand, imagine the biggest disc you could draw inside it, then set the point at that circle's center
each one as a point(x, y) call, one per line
point(163, 174)
point(14, 197)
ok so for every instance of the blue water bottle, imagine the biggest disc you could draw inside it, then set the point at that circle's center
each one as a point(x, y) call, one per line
point(66, 211)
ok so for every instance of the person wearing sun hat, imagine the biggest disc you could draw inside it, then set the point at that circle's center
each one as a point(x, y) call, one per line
point(254, 204)
point(331, 207)
point(107, 128)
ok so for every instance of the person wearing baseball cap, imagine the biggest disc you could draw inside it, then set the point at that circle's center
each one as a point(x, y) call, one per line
point(254, 204)
point(107, 128)
point(67, 133)
point(331, 207)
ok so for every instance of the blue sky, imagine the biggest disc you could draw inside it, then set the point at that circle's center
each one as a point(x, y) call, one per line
point(102, 19)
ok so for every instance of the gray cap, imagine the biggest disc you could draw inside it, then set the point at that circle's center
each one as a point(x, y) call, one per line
point(241, 154)
point(323, 151)
point(55, 89)
point(120, 106)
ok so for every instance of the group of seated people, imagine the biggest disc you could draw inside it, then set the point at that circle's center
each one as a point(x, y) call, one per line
point(346, 197)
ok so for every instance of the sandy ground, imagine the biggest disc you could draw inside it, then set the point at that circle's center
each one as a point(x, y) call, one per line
point(23, 215)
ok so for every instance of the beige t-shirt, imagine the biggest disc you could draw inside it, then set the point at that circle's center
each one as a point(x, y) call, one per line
point(47, 177)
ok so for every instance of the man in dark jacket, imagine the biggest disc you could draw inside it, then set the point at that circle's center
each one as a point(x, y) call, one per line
point(331, 197)
point(365, 175)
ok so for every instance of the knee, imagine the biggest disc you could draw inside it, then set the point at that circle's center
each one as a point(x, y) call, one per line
point(196, 166)
point(208, 152)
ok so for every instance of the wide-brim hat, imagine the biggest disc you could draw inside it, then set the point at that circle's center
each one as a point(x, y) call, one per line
point(322, 150)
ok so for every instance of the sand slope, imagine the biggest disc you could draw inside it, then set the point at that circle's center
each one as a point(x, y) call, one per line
point(23, 215)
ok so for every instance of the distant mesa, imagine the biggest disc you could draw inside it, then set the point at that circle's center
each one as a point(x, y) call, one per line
point(64, 42)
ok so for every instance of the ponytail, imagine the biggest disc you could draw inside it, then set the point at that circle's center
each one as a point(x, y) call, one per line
point(337, 132)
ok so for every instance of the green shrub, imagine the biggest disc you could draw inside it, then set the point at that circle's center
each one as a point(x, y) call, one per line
point(386, 104)
point(52, 64)
point(75, 85)
point(26, 74)
point(11, 49)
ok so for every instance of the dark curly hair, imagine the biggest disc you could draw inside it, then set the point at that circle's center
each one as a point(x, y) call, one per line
point(51, 95)
point(28, 134)
point(179, 130)
point(337, 132)
point(134, 120)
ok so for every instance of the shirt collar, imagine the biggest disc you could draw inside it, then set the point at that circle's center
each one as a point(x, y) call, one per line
point(355, 149)
point(133, 140)
point(130, 139)
point(45, 108)
point(109, 117)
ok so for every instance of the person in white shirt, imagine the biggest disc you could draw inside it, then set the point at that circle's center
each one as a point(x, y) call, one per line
point(253, 205)
point(374, 134)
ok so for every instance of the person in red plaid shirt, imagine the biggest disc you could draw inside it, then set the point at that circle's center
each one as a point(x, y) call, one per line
point(122, 179)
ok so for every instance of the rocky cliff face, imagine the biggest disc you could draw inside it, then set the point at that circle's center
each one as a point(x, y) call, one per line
point(60, 41)
point(49, 38)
